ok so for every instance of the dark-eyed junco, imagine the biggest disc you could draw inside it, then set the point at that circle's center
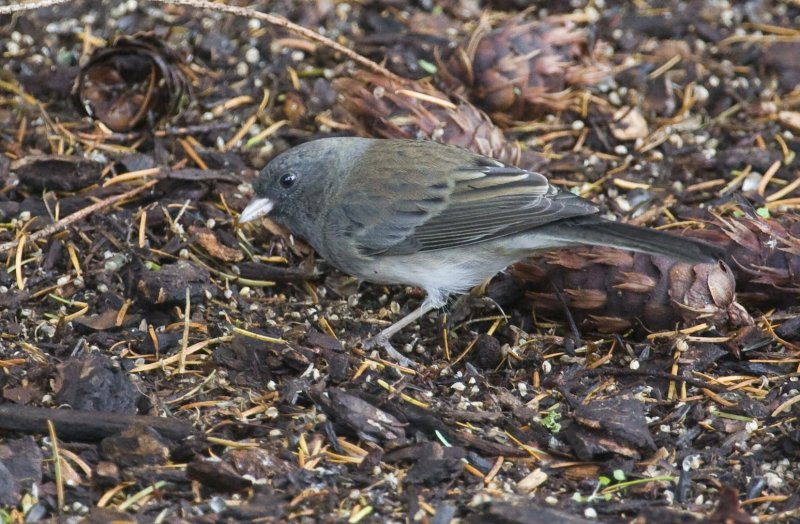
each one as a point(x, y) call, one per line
point(433, 216)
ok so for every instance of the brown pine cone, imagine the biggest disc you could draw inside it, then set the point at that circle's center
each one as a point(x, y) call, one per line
point(385, 108)
point(136, 78)
point(522, 69)
point(612, 291)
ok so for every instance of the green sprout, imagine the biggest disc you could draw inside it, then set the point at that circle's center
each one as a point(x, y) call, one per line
point(550, 421)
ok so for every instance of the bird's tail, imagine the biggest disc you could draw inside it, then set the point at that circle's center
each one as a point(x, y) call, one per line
point(633, 238)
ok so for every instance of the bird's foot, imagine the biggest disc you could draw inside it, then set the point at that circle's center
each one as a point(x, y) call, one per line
point(382, 341)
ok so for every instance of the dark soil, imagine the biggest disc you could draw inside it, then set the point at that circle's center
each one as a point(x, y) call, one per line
point(162, 363)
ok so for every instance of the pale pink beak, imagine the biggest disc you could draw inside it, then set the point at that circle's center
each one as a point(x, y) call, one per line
point(257, 208)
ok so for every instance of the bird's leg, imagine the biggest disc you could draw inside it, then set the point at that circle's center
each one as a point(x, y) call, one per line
point(412, 317)
point(382, 339)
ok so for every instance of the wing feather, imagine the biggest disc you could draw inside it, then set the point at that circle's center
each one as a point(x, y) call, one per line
point(442, 208)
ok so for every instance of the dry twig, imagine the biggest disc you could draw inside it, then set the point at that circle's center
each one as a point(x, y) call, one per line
point(289, 25)
point(77, 216)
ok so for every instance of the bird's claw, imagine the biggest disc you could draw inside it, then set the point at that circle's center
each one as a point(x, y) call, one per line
point(381, 341)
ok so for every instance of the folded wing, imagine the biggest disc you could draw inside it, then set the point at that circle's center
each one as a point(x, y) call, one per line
point(442, 208)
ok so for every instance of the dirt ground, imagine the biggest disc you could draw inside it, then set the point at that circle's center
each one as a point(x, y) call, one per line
point(163, 363)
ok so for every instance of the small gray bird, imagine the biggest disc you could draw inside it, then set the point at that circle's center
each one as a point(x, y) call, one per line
point(433, 216)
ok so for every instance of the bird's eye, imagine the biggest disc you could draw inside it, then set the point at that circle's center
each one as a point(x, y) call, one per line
point(287, 180)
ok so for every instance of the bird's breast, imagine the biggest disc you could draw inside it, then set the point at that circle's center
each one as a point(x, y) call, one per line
point(441, 273)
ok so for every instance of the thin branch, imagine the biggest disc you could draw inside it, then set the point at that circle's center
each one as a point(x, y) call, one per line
point(77, 216)
point(29, 6)
point(291, 26)
point(238, 11)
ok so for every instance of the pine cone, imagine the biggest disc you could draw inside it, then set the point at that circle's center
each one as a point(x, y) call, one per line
point(123, 84)
point(766, 258)
point(389, 109)
point(522, 69)
point(611, 291)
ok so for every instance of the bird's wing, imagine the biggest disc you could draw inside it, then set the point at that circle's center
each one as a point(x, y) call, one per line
point(483, 200)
